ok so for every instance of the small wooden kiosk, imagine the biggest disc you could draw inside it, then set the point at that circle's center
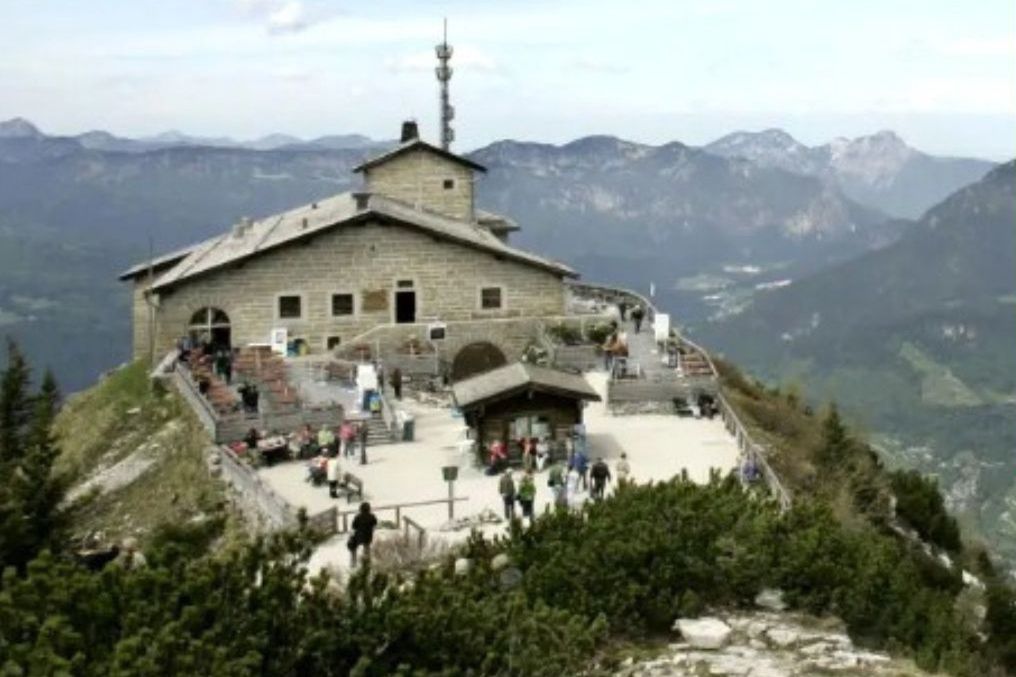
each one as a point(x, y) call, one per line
point(521, 400)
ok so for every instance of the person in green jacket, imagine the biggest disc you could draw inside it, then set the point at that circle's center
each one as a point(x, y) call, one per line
point(527, 495)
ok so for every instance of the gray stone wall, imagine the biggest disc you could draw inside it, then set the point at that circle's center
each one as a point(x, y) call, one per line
point(418, 178)
point(366, 261)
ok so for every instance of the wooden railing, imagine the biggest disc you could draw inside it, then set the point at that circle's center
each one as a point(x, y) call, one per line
point(343, 516)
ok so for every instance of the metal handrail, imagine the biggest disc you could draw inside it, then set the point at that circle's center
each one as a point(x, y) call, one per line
point(754, 450)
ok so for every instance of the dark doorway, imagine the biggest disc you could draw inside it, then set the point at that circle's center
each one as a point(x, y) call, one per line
point(405, 307)
point(477, 358)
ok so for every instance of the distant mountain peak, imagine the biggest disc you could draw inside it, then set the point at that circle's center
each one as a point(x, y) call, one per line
point(19, 128)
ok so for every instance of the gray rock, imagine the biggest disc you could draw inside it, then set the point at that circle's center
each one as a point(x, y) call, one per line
point(771, 599)
point(703, 633)
point(500, 561)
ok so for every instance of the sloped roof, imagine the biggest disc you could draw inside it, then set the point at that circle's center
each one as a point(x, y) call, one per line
point(343, 209)
point(517, 377)
point(417, 144)
point(158, 264)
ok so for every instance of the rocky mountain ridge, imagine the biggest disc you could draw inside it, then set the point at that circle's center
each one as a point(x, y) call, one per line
point(879, 169)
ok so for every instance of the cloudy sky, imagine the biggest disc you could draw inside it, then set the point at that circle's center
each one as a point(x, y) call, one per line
point(942, 73)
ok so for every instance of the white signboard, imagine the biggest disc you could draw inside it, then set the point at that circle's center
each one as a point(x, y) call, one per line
point(279, 340)
point(662, 326)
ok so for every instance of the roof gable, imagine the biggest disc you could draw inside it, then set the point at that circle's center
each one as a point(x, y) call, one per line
point(503, 382)
point(418, 145)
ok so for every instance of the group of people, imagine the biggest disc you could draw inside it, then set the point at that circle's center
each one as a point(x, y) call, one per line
point(564, 481)
point(304, 443)
point(637, 314)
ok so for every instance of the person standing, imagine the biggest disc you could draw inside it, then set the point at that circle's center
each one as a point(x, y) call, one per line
point(528, 454)
point(527, 496)
point(346, 436)
point(556, 482)
point(637, 314)
point(363, 533)
point(396, 381)
point(498, 457)
point(601, 475)
point(506, 487)
point(332, 475)
point(363, 442)
point(623, 469)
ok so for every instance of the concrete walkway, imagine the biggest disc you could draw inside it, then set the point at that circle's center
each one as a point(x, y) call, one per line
point(658, 447)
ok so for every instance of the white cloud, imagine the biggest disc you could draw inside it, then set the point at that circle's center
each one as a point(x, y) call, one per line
point(1003, 46)
point(289, 18)
point(599, 65)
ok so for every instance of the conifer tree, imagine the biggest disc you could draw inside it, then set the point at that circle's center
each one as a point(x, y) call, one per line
point(15, 404)
point(835, 442)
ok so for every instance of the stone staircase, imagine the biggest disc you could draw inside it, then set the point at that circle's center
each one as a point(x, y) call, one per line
point(378, 432)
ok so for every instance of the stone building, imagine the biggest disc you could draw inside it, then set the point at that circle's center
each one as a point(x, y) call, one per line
point(409, 258)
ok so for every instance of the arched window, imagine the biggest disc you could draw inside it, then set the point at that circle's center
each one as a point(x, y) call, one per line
point(211, 325)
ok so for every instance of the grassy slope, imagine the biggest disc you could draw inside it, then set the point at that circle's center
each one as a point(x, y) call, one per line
point(116, 418)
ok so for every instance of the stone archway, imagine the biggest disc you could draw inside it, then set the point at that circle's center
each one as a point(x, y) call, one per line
point(476, 358)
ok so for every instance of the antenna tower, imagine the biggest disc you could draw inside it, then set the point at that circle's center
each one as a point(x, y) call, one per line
point(444, 74)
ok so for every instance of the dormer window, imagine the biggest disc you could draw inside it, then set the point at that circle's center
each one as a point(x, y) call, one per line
point(449, 184)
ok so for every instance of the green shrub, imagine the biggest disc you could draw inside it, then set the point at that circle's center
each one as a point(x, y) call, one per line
point(599, 333)
point(919, 503)
point(567, 334)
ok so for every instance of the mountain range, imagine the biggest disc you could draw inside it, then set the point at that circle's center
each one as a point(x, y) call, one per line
point(916, 342)
point(105, 141)
point(880, 170)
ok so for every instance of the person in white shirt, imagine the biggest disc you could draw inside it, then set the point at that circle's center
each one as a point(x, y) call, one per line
point(623, 470)
point(332, 474)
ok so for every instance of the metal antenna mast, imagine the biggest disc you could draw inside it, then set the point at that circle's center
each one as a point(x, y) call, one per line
point(444, 74)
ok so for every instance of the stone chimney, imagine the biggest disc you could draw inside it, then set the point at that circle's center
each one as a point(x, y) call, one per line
point(410, 132)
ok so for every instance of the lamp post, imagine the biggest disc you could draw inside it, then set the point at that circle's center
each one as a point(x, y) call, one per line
point(450, 474)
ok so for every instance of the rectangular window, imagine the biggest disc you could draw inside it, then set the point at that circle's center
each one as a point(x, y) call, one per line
point(342, 304)
point(290, 307)
point(404, 284)
point(490, 298)
point(449, 184)
point(332, 342)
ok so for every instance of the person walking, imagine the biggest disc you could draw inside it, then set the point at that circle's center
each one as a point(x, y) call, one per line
point(396, 381)
point(332, 475)
point(363, 533)
point(580, 463)
point(623, 470)
point(601, 475)
point(637, 315)
point(527, 496)
point(506, 487)
point(571, 492)
point(363, 442)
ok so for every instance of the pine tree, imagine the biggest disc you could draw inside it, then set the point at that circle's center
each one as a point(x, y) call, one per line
point(15, 404)
point(30, 496)
point(835, 441)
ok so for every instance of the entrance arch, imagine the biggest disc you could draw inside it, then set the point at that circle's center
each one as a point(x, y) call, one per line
point(211, 325)
point(476, 358)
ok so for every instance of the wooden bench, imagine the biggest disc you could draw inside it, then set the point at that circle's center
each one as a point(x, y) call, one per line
point(351, 485)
